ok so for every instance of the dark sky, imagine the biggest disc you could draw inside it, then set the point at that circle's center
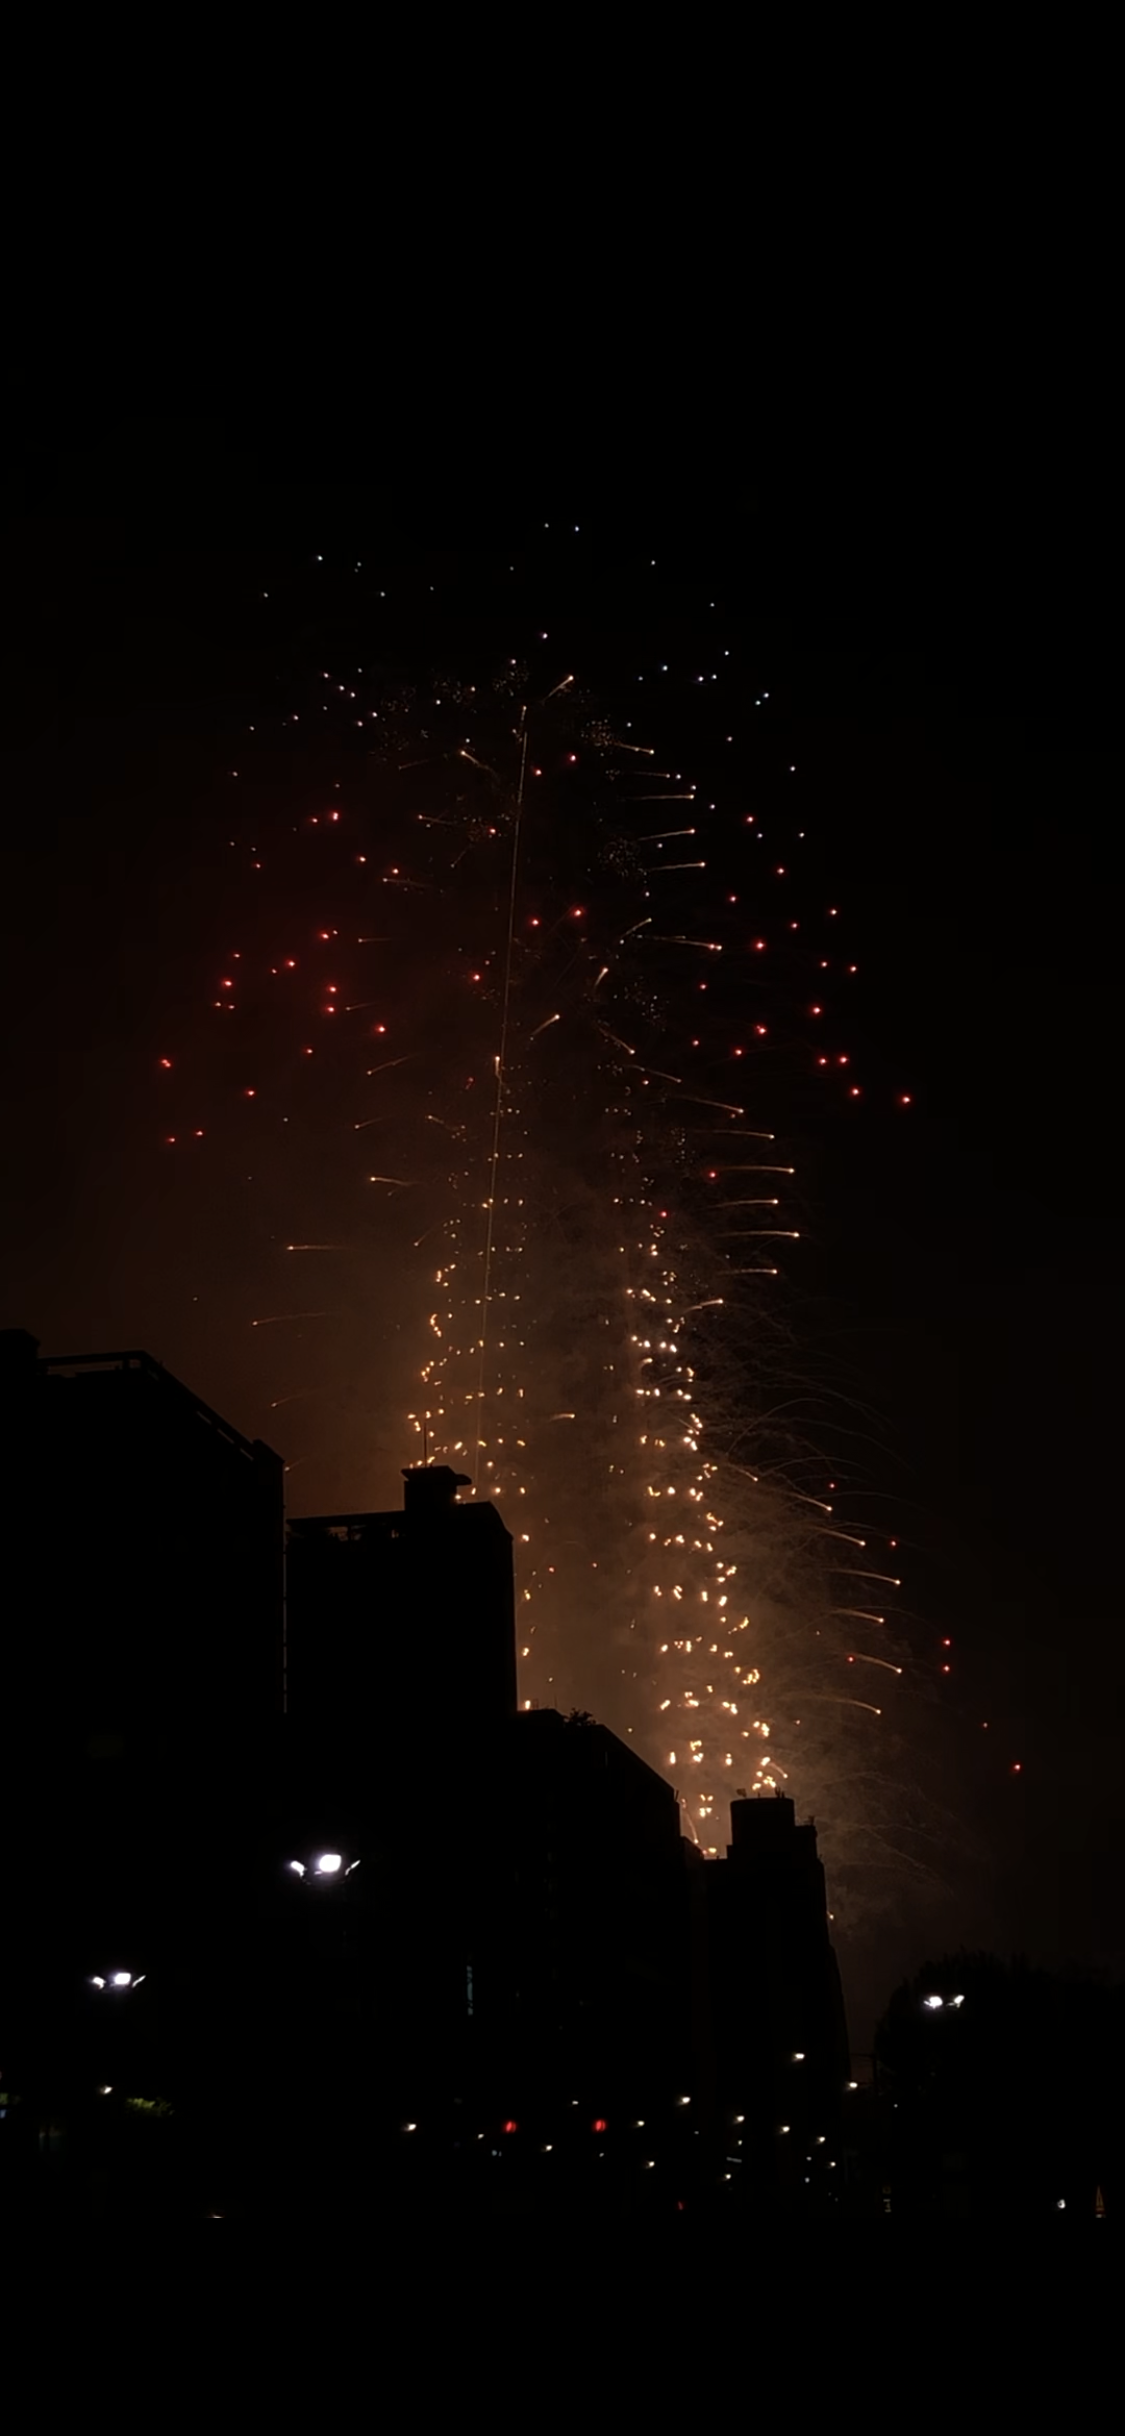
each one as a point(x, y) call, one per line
point(955, 708)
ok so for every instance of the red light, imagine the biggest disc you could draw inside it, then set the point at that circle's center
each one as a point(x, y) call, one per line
point(822, 1061)
point(249, 1095)
point(736, 1052)
point(598, 2125)
point(816, 1010)
point(509, 2127)
point(226, 985)
point(166, 1062)
point(1017, 1767)
point(853, 1093)
point(378, 1027)
point(904, 1099)
point(759, 944)
point(576, 912)
point(760, 1029)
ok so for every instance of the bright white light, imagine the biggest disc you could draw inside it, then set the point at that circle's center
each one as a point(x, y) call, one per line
point(799, 2052)
point(299, 1866)
point(1060, 2203)
point(957, 2000)
point(328, 1863)
point(97, 1983)
point(410, 2127)
point(121, 1979)
point(683, 2101)
point(933, 2004)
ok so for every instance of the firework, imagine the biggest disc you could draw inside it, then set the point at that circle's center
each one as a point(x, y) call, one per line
point(491, 1047)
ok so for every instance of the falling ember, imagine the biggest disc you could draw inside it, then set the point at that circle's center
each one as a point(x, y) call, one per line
point(276, 1318)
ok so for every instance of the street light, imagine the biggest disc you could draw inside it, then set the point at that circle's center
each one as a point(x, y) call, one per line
point(323, 1865)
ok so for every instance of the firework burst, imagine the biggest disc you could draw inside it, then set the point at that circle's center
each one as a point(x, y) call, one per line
point(493, 1050)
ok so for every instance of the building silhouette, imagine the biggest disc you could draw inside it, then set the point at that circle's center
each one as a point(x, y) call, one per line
point(389, 1929)
point(404, 1616)
point(142, 1576)
point(777, 2042)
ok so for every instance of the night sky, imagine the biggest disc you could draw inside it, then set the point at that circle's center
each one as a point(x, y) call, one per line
point(952, 1308)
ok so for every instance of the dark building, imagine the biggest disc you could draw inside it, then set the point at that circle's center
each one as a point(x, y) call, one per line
point(402, 1623)
point(141, 1586)
point(578, 1936)
point(775, 2041)
point(143, 1558)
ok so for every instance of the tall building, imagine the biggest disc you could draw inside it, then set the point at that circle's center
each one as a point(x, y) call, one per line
point(776, 2050)
point(141, 1582)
